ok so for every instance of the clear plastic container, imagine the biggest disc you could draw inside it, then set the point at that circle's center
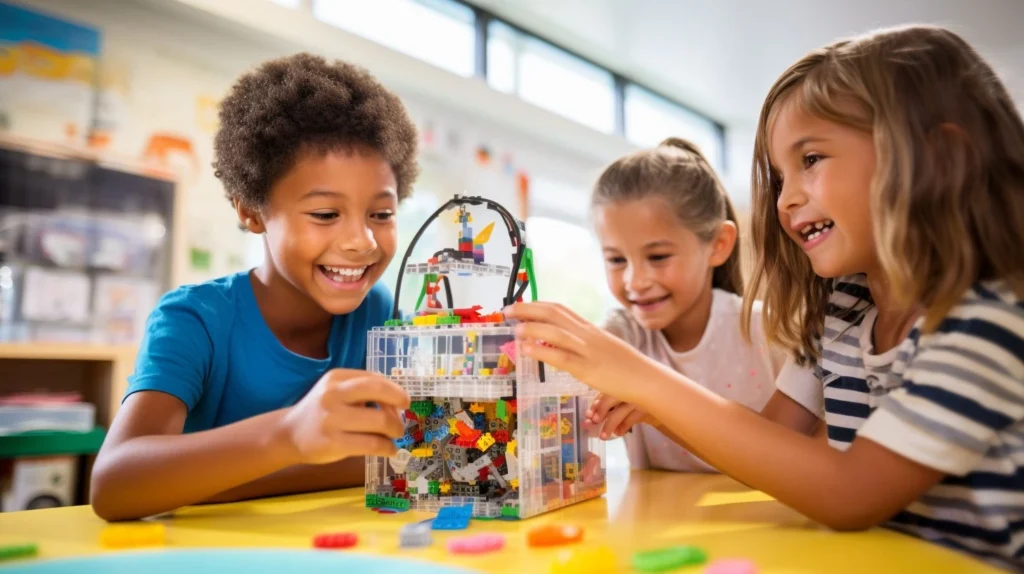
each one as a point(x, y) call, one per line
point(77, 417)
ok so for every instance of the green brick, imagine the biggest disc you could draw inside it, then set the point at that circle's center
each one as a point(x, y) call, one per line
point(668, 558)
point(396, 502)
point(510, 511)
point(422, 408)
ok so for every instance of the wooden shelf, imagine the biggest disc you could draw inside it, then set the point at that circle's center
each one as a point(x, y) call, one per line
point(99, 372)
point(66, 351)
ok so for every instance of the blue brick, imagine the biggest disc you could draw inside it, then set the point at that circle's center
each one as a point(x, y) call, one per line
point(453, 517)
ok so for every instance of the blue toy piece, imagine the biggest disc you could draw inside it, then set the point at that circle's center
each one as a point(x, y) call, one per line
point(404, 442)
point(453, 517)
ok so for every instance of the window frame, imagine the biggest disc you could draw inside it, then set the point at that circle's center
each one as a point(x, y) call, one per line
point(482, 18)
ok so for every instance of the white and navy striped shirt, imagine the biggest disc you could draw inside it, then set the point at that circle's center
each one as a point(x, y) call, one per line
point(952, 400)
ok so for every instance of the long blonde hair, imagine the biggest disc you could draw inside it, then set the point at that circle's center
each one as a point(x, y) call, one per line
point(677, 172)
point(947, 197)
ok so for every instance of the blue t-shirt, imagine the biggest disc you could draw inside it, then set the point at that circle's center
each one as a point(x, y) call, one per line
point(209, 346)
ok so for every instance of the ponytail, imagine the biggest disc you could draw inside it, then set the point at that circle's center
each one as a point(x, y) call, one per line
point(729, 275)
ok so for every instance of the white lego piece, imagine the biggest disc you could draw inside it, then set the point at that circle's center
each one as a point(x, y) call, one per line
point(456, 267)
point(513, 466)
point(462, 416)
point(400, 460)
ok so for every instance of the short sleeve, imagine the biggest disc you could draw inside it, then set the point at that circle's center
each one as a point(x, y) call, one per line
point(960, 390)
point(801, 383)
point(175, 353)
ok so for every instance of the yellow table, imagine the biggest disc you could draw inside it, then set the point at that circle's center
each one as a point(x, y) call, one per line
point(644, 510)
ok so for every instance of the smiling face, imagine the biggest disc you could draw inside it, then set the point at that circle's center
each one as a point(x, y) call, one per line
point(825, 170)
point(655, 267)
point(329, 226)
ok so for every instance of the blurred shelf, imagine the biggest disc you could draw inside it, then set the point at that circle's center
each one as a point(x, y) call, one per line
point(67, 351)
point(51, 443)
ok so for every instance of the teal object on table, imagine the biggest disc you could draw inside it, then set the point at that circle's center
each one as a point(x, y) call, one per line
point(235, 560)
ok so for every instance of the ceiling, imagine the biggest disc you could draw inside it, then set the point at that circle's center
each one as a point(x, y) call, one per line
point(721, 56)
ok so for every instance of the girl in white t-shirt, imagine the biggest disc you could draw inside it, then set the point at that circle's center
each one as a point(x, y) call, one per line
point(668, 232)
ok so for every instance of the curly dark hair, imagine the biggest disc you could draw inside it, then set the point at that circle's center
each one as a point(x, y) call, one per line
point(303, 102)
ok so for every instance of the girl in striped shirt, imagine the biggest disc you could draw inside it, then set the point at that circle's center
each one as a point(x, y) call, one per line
point(888, 222)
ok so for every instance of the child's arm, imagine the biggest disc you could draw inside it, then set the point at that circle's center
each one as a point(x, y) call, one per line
point(146, 466)
point(618, 417)
point(855, 489)
point(298, 479)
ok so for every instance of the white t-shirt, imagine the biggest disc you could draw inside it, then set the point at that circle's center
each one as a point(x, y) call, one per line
point(723, 362)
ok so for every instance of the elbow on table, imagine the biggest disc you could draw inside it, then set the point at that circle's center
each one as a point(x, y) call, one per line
point(103, 497)
point(853, 518)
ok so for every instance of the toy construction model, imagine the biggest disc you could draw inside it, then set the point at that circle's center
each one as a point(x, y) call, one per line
point(487, 429)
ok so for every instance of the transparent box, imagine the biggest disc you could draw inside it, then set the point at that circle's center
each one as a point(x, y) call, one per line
point(487, 427)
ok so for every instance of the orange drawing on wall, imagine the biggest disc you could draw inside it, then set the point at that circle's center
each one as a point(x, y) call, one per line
point(165, 151)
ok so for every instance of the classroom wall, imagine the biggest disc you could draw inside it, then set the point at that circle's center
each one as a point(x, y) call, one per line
point(162, 77)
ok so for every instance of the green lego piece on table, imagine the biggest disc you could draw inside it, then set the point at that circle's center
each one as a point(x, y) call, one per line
point(501, 409)
point(16, 551)
point(422, 408)
point(668, 558)
point(434, 487)
point(450, 320)
point(378, 501)
point(510, 511)
point(393, 323)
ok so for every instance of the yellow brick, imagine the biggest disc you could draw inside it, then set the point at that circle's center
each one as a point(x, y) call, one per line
point(439, 372)
point(511, 448)
point(485, 442)
point(485, 372)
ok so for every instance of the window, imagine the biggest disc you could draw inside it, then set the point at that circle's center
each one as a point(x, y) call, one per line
point(550, 78)
point(440, 32)
point(572, 273)
point(650, 119)
point(288, 3)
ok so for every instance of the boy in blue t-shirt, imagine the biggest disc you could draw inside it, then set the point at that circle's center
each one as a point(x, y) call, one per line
point(252, 384)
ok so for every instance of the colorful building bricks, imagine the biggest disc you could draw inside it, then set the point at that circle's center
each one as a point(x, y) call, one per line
point(133, 535)
point(487, 428)
point(335, 540)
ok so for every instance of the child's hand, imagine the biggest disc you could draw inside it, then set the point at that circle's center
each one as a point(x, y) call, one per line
point(336, 419)
point(616, 417)
point(582, 349)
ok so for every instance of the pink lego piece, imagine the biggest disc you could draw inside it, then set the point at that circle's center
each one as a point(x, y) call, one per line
point(731, 566)
point(477, 544)
point(510, 350)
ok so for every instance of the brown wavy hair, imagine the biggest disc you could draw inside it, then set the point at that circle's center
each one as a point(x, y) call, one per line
point(947, 195)
point(677, 172)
